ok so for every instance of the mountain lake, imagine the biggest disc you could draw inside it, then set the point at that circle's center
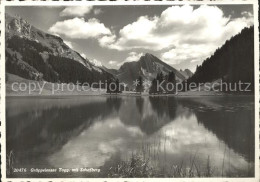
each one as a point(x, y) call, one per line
point(174, 136)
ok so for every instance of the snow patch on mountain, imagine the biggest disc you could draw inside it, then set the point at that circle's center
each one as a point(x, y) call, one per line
point(96, 62)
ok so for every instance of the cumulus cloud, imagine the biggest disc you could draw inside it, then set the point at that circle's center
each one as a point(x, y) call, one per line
point(246, 13)
point(130, 35)
point(76, 10)
point(112, 62)
point(181, 33)
point(107, 40)
point(192, 53)
point(180, 25)
point(78, 28)
point(133, 56)
point(97, 11)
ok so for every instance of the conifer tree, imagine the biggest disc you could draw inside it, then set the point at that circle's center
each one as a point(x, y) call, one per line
point(139, 86)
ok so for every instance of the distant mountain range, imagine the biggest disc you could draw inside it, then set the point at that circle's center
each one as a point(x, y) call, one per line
point(36, 55)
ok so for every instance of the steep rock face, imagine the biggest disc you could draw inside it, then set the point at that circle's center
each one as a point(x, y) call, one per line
point(28, 53)
point(148, 67)
point(20, 27)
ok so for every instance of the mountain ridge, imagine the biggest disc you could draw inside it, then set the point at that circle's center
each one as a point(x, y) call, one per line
point(29, 50)
point(148, 66)
point(39, 55)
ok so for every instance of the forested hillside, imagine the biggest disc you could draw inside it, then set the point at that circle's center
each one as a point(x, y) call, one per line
point(233, 62)
point(36, 55)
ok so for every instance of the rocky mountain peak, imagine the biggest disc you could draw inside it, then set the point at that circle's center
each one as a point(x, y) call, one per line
point(148, 66)
point(18, 25)
point(29, 49)
point(148, 57)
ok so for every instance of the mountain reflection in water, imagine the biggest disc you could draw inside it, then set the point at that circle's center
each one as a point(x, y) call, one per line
point(99, 131)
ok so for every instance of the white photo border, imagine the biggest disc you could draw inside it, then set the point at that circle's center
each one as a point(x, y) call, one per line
point(3, 4)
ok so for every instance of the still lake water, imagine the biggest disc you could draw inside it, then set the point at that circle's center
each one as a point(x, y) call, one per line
point(99, 132)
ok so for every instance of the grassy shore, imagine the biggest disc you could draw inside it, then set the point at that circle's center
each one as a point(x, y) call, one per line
point(17, 86)
point(139, 167)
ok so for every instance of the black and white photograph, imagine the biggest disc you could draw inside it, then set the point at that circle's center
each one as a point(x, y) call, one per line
point(130, 90)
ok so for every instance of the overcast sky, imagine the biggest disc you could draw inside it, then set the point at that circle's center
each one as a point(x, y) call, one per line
point(182, 36)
